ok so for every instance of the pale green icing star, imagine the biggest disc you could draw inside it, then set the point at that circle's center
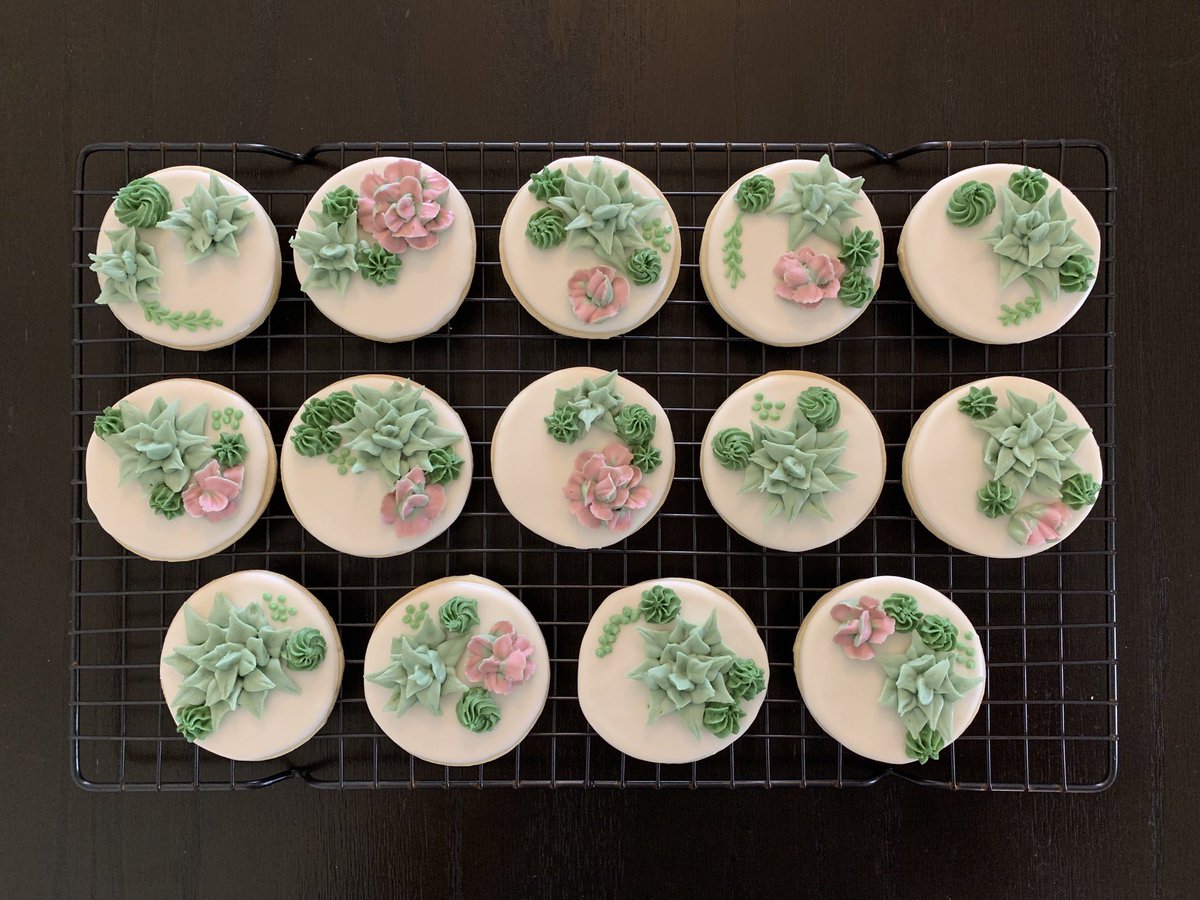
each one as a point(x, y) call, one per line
point(129, 271)
point(422, 668)
point(331, 251)
point(210, 221)
point(603, 213)
point(161, 445)
point(818, 202)
point(1034, 240)
point(796, 467)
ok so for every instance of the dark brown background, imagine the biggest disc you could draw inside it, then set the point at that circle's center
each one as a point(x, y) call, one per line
point(296, 74)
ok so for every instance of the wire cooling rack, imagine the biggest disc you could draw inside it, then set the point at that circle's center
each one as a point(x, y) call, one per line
point(1047, 623)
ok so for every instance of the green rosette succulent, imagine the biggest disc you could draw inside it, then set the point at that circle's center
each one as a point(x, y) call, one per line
point(659, 605)
point(458, 614)
point(644, 266)
point(820, 406)
point(331, 252)
point(754, 194)
point(921, 686)
point(1034, 240)
point(971, 203)
point(546, 228)
point(210, 221)
point(129, 271)
point(304, 650)
point(477, 711)
point(732, 448)
point(142, 203)
point(635, 424)
point(818, 202)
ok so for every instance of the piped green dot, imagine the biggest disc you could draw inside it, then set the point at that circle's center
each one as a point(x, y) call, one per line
point(755, 406)
point(764, 416)
point(779, 404)
point(970, 651)
point(758, 396)
point(970, 636)
point(342, 470)
point(970, 663)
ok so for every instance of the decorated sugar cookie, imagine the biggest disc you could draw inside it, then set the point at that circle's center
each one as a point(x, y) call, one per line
point(792, 253)
point(376, 465)
point(251, 666)
point(1002, 467)
point(671, 670)
point(179, 469)
point(890, 668)
point(792, 461)
point(187, 258)
point(1000, 253)
point(583, 457)
point(386, 249)
point(590, 247)
point(457, 671)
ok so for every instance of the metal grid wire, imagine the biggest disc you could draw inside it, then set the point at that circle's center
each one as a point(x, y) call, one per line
point(1047, 623)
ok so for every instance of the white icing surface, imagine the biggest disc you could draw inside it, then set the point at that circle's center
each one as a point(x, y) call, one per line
point(752, 307)
point(288, 720)
point(745, 513)
point(944, 470)
point(617, 706)
point(122, 509)
point(954, 275)
point(842, 694)
point(441, 739)
point(539, 277)
point(240, 291)
point(432, 283)
point(342, 511)
point(530, 468)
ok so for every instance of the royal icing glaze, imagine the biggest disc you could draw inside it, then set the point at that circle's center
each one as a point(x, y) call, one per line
point(378, 299)
point(748, 509)
point(207, 515)
point(843, 693)
point(618, 706)
point(210, 301)
point(955, 272)
point(289, 717)
point(560, 489)
point(550, 272)
point(944, 472)
point(364, 513)
point(447, 738)
point(748, 260)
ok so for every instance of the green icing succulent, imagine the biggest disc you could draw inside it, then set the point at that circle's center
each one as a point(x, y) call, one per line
point(594, 401)
point(210, 221)
point(922, 687)
point(341, 406)
point(108, 422)
point(444, 466)
point(547, 184)
point(859, 248)
point(1076, 273)
point(195, 722)
point(1080, 490)
point(659, 605)
point(745, 680)
point(331, 252)
point(796, 467)
point(856, 289)
point(646, 458)
point(393, 430)
point(644, 266)
point(230, 449)
point(304, 650)
point(546, 228)
point(458, 614)
point(129, 271)
point(979, 403)
point(924, 746)
point(477, 710)
point(317, 413)
point(564, 425)
point(142, 203)
point(818, 202)
point(161, 445)
point(723, 719)
point(755, 194)
point(165, 502)
point(635, 424)
point(1030, 446)
point(603, 213)
point(938, 633)
point(996, 499)
point(232, 659)
point(820, 406)
point(1034, 240)
point(903, 610)
point(685, 669)
point(312, 440)
point(422, 668)
point(1029, 184)
point(970, 204)
point(378, 264)
point(732, 448)
point(340, 204)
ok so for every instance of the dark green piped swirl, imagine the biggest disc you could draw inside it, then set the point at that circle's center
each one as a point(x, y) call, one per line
point(858, 249)
point(820, 406)
point(659, 605)
point(230, 449)
point(458, 614)
point(340, 204)
point(309, 440)
point(477, 711)
point(635, 424)
point(903, 610)
point(142, 203)
point(1029, 184)
point(971, 203)
point(165, 501)
point(108, 422)
point(304, 650)
point(856, 289)
point(647, 458)
point(978, 404)
point(996, 499)
point(563, 425)
point(195, 722)
point(924, 746)
point(723, 719)
point(341, 406)
point(732, 448)
point(938, 633)
point(1076, 273)
point(745, 680)
point(644, 266)
point(755, 194)
point(547, 184)
point(546, 228)
point(317, 413)
point(1080, 490)
point(378, 264)
point(444, 466)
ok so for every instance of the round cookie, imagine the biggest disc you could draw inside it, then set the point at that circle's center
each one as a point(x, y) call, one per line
point(792, 253)
point(1002, 467)
point(187, 258)
point(251, 666)
point(590, 247)
point(386, 249)
point(179, 469)
point(376, 465)
point(583, 457)
point(792, 461)
point(967, 254)
point(457, 671)
point(862, 650)
point(684, 682)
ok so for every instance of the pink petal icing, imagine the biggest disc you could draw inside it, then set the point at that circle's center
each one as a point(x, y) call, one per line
point(807, 277)
point(597, 293)
point(605, 488)
point(500, 659)
point(863, 623)
point(412, 504)
point(404, 207)
point(213, 493)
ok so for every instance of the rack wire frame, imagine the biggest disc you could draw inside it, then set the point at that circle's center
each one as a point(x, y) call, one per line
point(1047, 623)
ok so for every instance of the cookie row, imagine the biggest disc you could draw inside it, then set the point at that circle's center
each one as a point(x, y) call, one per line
point(376, 466)
point(791, 254)
point(457, 671)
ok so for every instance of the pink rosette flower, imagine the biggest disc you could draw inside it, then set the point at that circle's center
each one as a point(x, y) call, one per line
point(863, 623)
point(597, 293)
point(412, 504)
point(604, 489)
point(404, 207)
point(499, 659)
point(213, 493)
point(808, 277)
point(1038, 524)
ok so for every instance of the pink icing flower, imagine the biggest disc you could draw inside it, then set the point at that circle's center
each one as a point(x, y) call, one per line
point(863, 623)
point(499, 659)
point(597, 293)
point(213, 494)
point(412, 504)
point(807, 277)
point(404, 207)
point(1038, 524)
point(604, 489)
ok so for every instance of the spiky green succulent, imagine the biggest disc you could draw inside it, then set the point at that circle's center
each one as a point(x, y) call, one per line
point(331, 251)
point(128, 271)
point(603, 213)
point(795, 467)
point(1034, 240)
point(422, 668)
point(1031, 445)
point(161, 445)
point(818, 202)
point(210, 221)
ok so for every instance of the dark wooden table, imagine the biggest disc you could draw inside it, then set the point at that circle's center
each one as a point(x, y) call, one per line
point(296, 74)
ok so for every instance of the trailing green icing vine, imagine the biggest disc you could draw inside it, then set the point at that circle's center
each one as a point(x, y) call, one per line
point(1025, 309)
point(731, 252)
point(157, 314)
